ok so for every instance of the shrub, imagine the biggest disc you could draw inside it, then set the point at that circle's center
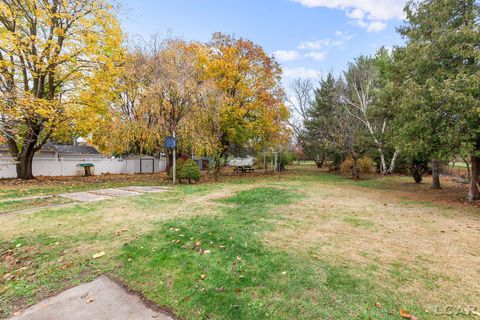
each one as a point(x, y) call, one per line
point(419, 166)
point(189, 171)
point(335, 161)
point(365, 165)
point(287, 157)
point(180, 163)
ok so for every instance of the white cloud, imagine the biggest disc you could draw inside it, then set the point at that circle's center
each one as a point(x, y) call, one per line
point(376, 26)
point(376, 10)
point(343, 35)
point(323, 44)
point(320, 44)
point(369, 14)
point(316, 55)
point(356, 14)
point(286, 55)
point(301, 72)
point(371, 26)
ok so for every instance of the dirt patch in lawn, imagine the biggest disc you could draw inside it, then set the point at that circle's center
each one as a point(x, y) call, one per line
point(428, 252)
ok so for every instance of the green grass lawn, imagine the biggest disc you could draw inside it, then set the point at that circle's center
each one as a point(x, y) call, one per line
point(305, 245)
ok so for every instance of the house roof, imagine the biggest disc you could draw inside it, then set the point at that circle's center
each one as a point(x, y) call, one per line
point(70, 149)
point(62, 148)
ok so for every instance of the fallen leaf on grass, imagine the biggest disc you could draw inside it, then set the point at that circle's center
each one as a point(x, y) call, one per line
point(203, 276)
point(7, 276)
point(98, 255)
point(21, 269)
point(404, 314)
point(119, 232)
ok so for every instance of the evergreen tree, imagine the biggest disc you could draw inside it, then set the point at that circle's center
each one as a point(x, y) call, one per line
point(315, 138)
point(440, 97)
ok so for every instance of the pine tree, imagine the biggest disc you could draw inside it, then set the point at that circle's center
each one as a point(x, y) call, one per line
point(319, 120)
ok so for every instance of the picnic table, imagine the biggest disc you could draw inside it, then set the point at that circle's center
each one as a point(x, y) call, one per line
point(88, 168)
point(242, 165)
point(243, 169)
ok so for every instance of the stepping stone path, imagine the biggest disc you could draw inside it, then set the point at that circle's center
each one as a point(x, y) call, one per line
point(104, 194)
point(101, 299)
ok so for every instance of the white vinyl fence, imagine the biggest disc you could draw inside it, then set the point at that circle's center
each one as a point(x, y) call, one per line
point(69, 167)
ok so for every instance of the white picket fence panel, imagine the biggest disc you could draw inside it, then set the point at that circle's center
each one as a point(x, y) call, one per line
point(68, 166)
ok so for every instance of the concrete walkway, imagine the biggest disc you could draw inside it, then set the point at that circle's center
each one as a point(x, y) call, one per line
point(101, 299)
point(86, 196)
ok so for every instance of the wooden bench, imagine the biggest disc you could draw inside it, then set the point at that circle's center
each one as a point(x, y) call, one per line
point(243, 169)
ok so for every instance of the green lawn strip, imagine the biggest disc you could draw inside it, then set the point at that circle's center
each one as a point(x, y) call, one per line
point(216, 267)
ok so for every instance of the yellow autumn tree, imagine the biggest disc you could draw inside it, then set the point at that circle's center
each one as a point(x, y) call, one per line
point(58, 59)
point(211, 96)
point(128, 127)
point(253, 112)
point(162, 93)
point(180, 99)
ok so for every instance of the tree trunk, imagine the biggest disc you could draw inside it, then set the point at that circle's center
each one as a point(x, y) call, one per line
point(264, 160)
point(355, 169)
point(417, 173)
point(436, 174)
point(383, 166)
point(24, 165)
point(469, 175)
point(474, 193)
point(393, 162)
point(319, 161)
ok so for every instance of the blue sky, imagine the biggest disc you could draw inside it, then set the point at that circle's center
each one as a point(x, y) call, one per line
point(308, 37)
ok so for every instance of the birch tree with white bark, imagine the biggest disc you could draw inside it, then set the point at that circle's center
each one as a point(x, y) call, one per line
point(363, 83)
